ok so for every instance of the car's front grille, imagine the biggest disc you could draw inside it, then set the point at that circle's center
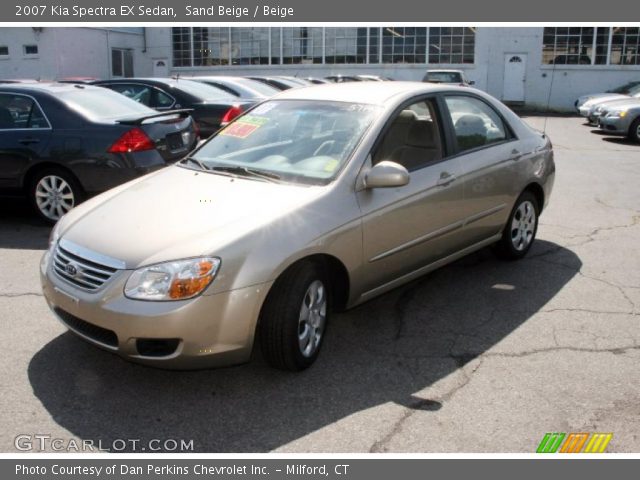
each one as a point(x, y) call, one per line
point(94, 332)
point(81, 272)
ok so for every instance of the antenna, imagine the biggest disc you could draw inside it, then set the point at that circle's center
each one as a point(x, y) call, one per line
point(546, 113)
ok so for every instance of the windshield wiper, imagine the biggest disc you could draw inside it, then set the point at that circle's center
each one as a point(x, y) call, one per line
point(248, 172)
point(196, 161)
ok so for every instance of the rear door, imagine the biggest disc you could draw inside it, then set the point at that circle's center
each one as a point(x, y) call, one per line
point(25, 133)
point(488, 154)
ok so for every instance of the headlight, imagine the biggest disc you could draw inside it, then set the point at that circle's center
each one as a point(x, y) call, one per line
point(177, 280)
point(617, 114)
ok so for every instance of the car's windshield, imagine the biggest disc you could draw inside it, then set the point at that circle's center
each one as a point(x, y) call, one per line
point(634, 91)
point(102, 104)
point(444, 77)
point(626, 88)
point(262, 88)
point(294, 140)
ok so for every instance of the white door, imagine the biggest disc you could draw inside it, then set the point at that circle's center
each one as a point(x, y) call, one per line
point(515, 68)
point(160, 67)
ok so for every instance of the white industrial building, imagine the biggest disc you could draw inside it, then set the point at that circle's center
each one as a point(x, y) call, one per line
point(531, 66)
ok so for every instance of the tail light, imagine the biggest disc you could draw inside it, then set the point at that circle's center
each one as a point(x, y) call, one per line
point(134, 140)
point(232, 113)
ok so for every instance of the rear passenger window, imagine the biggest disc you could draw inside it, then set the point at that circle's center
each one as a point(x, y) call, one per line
point(139, 93)
point(475, 123)
point(19, 111)
point(413, 138)
point(162, 100)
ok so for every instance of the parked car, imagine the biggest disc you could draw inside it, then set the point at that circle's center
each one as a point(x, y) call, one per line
point(281, 83)
point(78, 80)
point(211, 107)
point(597, 108)
point(622, 119)
point(448, 77)
point(621, 90)
point(585, 109)
point(60, 143)
point(318, 199)
point(343, 78)
point(240, 87)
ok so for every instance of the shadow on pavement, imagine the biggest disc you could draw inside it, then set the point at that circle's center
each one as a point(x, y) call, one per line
point(20, 227)
point(383, 351)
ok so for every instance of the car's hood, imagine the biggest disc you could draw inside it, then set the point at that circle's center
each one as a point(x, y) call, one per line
point(179, 213)
point(605, 98)
point(623, 102)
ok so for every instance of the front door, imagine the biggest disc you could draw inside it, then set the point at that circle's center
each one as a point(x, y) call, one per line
point(160, 67)
point(515, 67)
point(408, 227)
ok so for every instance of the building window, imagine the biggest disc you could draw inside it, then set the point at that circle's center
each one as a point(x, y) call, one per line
point(181, 41)
point(301, 45)
point(4, 51)
point(214, 46)
point(250, 46)
point(575, 45)
point(625, 46)
point(452, 45)
point(30, 50)
point(404, 45)
point(121, 62)
point(345, 45)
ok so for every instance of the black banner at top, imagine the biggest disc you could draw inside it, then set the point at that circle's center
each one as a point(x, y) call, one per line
point(192, 11)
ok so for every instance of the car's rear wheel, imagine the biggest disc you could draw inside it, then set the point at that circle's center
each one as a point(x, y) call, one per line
point(53, 192)
point(521, 228)
point(294, 318)
point(634, 130)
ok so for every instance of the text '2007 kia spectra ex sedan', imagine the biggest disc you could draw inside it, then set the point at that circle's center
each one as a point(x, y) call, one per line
point(315, 200)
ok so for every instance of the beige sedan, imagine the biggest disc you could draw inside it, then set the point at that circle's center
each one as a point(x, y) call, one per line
point(318, 199)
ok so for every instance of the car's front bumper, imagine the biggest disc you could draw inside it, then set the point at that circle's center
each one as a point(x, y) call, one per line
point(209, 330)
point(614, 125)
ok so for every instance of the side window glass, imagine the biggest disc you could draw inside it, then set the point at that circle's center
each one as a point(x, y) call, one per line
point(18, 111)
point(475, 123)
point(162, 100)
point(413, 138)
point(139, 93)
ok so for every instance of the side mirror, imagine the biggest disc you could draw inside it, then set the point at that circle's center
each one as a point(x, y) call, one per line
point(386, 174)
point(472, 82)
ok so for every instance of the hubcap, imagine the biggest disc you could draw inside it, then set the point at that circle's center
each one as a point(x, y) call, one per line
point(54, 196)
point(638, 132)
point(523, 225)
point(313, 316)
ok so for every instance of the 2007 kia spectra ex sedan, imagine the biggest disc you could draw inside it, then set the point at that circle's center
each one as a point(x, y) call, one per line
point(315, 200)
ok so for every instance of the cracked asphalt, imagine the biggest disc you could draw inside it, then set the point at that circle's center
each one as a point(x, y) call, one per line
point(479, 356)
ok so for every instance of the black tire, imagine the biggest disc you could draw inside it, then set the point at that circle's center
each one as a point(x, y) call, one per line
point(279, 327)
point(634, 131)
point(71, 193)
point(514, 247)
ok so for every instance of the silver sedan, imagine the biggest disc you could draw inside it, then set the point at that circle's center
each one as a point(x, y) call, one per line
point(316, 200)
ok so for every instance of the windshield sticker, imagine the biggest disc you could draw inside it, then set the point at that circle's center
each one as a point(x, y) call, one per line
point(244, 126)
point(331, 165)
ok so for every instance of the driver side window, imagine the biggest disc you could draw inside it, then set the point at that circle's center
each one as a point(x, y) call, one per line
point(413, 139)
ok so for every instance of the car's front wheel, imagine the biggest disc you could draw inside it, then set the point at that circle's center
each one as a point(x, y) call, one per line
point(521, 228)
point(53, 192)
point(294, 318)
point(634, 130)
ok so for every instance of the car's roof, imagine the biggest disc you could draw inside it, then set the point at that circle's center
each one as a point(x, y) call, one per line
point(373, 93)
point(49, 87)
point(444, 70)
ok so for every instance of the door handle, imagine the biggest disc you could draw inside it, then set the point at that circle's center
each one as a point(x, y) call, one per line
point(515, 155)
point(28, 141)
point(445, 179)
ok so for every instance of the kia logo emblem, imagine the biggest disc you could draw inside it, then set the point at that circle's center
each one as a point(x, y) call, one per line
point(71, 269)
